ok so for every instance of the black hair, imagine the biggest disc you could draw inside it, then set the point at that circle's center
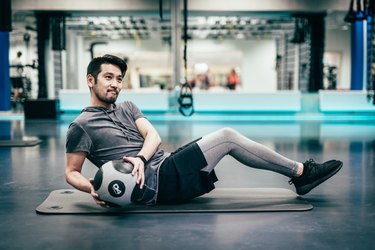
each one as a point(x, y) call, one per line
point(94, 67)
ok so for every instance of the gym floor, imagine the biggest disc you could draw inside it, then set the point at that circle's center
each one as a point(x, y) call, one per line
point(344, 207)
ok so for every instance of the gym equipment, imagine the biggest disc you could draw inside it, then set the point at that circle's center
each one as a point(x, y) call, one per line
point(22, 142)
point(186, 94)
point(58, 31)
point(186, 100)
point(71, 201)
point(5, 16)
point(114, 183)
point(41, 108)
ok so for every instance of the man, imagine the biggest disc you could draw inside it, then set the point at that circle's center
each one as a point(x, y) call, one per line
point(106, 131)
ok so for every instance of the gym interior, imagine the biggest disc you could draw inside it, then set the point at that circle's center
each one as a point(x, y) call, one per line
point(296, 76)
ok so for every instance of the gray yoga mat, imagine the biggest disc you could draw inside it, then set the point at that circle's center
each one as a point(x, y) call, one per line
point(22, 142)
point(70, 201)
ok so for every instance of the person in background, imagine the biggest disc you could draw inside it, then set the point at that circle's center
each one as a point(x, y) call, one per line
point(16, 74)
point(233, 80)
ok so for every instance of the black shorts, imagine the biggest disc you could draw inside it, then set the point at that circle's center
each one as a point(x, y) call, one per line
point(181, 178)
point(17, 82)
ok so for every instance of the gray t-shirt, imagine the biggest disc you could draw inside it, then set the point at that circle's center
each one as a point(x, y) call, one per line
point(110, 134)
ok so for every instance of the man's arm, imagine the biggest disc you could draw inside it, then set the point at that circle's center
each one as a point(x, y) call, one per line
point(73, 168)
point(150, 145)
point(151, 136)
point(74, 177)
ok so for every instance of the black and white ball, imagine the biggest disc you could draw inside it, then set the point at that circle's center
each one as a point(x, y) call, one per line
point(114, 183)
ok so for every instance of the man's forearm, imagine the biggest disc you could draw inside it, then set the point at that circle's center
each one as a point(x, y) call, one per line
point(76, 179)
point(150, 145)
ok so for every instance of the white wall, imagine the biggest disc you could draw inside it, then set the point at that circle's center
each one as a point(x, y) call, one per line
point(256, 58)
point(259, 74)
point(144, 53)
point(76, 69)
point(339, 41)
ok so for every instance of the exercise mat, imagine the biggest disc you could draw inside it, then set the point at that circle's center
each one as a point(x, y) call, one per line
point(71, 201)
point(22, 142)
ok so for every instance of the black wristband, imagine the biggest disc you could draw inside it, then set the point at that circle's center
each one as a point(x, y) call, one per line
point(142, 158)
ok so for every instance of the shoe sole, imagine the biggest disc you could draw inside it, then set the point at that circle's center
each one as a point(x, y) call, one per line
point(307, 188)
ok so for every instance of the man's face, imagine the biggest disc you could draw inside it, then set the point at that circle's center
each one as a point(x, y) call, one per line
point(107, 85)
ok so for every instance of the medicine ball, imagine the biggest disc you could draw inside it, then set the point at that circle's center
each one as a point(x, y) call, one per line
point(114, 183)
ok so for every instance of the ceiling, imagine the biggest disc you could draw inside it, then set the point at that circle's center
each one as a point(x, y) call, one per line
point(152, 27)
point(211, 27)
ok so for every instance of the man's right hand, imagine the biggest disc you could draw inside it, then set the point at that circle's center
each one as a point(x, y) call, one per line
point(96, 196)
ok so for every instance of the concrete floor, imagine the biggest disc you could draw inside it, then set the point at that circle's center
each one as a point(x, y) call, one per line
point(344, 207)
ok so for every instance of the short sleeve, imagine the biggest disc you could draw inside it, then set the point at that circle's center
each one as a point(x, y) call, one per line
point(135, 111)
point(77, 140)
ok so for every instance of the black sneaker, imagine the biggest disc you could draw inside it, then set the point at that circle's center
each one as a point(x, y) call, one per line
point(314, 174)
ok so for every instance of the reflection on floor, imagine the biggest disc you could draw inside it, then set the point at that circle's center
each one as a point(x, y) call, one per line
point(344, 207)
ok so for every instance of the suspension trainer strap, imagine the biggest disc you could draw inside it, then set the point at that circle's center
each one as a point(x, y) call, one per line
point(161, 9)
point(186, 94)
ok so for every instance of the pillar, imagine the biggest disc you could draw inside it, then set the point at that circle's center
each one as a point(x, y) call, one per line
point(4, 72)
point(357, 54)
point(317, 24)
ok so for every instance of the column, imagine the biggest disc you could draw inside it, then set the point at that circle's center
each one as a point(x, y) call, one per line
point(4, 72)
point(357, 55)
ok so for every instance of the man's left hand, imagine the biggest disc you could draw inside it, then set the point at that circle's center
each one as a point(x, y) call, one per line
point(139, 169)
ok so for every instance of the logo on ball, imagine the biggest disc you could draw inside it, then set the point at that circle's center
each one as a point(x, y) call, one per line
point(116, 188)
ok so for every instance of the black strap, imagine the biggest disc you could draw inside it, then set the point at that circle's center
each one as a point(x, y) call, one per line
point(186, 94)
point(161, 9)
point(142, 158)
point(185, 36)
point(186, 100)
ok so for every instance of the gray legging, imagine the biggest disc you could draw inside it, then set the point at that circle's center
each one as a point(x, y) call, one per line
point(228, 141)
